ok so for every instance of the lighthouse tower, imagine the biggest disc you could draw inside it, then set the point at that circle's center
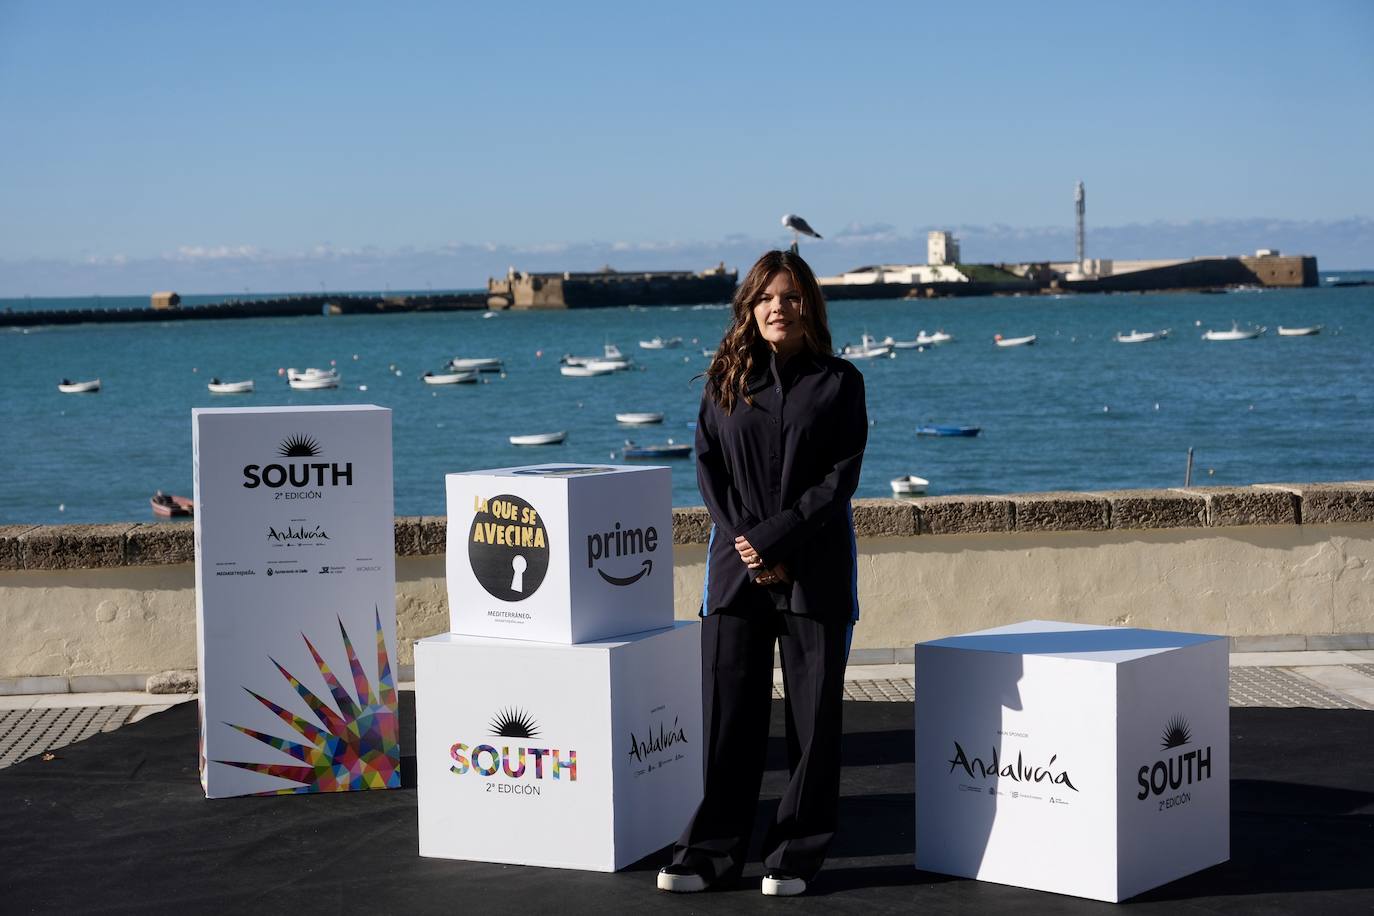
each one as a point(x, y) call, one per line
point(1079, 205)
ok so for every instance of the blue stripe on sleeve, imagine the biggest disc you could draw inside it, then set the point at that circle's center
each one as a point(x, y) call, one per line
point(854, 562)
point(706, 582)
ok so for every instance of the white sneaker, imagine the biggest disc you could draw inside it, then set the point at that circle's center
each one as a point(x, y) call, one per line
point(782, 884)
point(679, 879)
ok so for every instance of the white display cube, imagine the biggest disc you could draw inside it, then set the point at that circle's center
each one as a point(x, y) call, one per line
point(560, 553)
point(1082, 760)
point(572, 756)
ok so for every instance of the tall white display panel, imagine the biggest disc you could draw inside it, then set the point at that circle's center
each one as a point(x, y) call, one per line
point(574, 756)
point(295, 599)
point(1083, 760)
point(560, 552)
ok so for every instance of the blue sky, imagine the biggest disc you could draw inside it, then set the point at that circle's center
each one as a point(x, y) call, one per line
point(261, 144)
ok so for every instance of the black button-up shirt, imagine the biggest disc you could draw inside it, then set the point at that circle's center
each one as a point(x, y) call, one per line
point(781, 472)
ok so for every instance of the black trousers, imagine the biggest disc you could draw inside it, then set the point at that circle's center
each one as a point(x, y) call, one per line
point(737, 689)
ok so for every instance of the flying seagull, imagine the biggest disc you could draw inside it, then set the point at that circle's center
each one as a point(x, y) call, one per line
point(799, 226)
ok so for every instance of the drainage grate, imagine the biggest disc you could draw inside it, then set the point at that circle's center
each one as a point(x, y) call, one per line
point(1276, 687)
point(29, 732)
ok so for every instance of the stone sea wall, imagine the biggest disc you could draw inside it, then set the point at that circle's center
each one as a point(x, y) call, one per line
point(1272, 565)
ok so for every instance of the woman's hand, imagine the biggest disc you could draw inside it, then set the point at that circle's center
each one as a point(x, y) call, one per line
point(747, 553)
point(775, 575)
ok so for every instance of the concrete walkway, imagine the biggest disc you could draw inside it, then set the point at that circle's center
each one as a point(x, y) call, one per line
point(35, 724)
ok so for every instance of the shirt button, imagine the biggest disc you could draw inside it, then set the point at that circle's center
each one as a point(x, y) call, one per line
point(777, 390)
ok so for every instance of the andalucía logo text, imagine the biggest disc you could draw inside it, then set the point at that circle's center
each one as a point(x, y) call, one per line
point(297, 534)
point(1019, 771)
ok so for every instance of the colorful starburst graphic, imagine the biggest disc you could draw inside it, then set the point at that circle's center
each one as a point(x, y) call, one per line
point(357, 747)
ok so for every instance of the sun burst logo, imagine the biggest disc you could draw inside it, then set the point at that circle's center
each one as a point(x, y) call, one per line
point(514, 723)
point(299, 446)
point(1176, 733)
point(358, 746)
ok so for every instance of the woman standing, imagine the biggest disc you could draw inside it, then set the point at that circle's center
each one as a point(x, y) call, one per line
point(780, 440)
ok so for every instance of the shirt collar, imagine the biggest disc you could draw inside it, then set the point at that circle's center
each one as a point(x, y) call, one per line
point(765, 373)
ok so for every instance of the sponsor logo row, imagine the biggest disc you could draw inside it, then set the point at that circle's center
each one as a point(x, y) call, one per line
point(291, 568)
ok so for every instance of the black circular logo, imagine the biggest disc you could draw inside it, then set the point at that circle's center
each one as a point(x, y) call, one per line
point(508, 548)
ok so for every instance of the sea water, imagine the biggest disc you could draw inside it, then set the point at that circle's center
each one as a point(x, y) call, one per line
point(1076, 411)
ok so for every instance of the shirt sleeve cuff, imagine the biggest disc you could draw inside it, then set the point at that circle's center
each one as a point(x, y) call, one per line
point(770, 537)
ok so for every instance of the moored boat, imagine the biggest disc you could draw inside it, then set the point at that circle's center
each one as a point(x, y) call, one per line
point(661, 343)
point(1300, 332)
point(475, 364)
point(584, 371)
point(87, 387)
point(669, 449)
point(314, 382)
point(1140, 336)
point(1013, 341)
point(1236, 333)
point(218, 387)
point(890, 341)
point(294, 374)
point(540, 438)
point(611, 358)
point(939, 337)
point(930, 429)
point(169, 506)
point(868, 348)
point(646, 418)
point(608, 365)
point(450, 378)
point(909, 485)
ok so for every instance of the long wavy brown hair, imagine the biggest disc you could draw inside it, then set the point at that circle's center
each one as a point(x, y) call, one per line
point(743, 348)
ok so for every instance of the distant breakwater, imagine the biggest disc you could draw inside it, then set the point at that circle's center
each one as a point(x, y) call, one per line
point(283, 307)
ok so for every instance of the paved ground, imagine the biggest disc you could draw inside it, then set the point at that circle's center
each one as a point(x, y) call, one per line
point(39, 724)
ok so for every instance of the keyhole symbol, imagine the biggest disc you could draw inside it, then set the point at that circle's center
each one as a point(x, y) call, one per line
point(517, 581)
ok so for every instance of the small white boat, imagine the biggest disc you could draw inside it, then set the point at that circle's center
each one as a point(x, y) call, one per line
point(889, 341)
point(450, 378)
point(311, 373)
point(1235, 333)
point(1140, 336)
point(488, 314)
point(707, 352)
point(647, 418)
point(660, 343)
point(475, 364)
point(585, 371)
point(910, 485)
point(868, 348)
point(314, 382)
point(608, 365)
point(926, 340)
point(610, 358)
point(88, 387)
point(540, 438)
point(218, 387)
point(1013, 341)
point(1300, 332)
